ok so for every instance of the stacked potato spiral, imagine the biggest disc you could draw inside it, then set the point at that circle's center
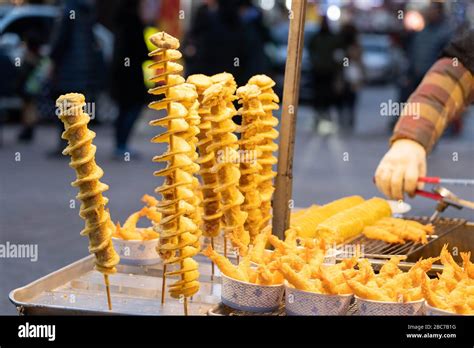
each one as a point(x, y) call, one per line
point(190, 101)
point(179, 234)
point(219, 98)
point(251, 112)
point(99, 227)
point(207, 160)
point(268, 146)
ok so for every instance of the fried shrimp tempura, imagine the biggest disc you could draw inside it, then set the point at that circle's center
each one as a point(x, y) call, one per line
point(367, 292)
point(225, 265)
point(295, 279)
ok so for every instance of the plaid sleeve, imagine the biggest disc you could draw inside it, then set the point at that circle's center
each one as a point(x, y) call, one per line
point(441, 97)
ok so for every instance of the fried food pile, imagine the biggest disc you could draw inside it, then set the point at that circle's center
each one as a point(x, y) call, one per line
point(211, 214)
point(267, 147)
point(218, 98)
point(178, 229)
point(391, 284)
point(98, 225)
point(398, 231)
point(252, 113)
point(263, 274)
point(306, 221)
point(303, 266)
point(130, 231)
point(453, 289)
point(350, 222)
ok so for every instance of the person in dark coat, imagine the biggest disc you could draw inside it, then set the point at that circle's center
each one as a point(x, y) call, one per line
point(127, 81)
point(217, 41)
point(75, 54)
point(327, 70)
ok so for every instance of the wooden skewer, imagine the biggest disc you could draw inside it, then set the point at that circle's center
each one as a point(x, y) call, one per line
point(163, 284)
point(212, 263)
point(283, 180)
point(225, 246)
point(107, 289)
point(185, 304)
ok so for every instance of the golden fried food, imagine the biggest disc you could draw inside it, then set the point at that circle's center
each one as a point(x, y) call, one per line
point(150, 201)
point(267, 147)
point(212, 215)
point(257, 253)
point(179, 225)
point(307, 222)
point(98, 225)
point(265, 274)
point(252, 112)
point(295, 279)
point(130, 231)
point(453, 290)
point(225, 265)
point(467, 264)
point(394, 230)
point(350, 222)
point(366, 292)
point(391, 284)
point(379, 233)
point(218, 98)
point(430, 296)
point(390, 269)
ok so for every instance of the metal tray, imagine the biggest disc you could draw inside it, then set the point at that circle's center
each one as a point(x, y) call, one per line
point(78, 289)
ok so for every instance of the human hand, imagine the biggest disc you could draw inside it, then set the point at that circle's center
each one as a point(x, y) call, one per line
point(400, 168)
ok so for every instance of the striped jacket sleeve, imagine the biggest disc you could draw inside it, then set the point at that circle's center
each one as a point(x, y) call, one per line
point(446, 90)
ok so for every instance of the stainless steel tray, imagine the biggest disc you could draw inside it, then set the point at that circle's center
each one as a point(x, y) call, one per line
point(78, 289)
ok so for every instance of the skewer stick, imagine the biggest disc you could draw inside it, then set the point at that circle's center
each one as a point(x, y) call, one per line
point(225, 246)
point(185, 304)
point(213, 268)
point(163, 285)
point(283, 180)
point(107, 289)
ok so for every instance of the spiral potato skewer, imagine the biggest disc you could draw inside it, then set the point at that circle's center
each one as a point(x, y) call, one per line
point(82, 152)
point(179, 235)
point(190, 101)
point(211, 200)
point(218, 98)
point(251, 112)
point(268, 146)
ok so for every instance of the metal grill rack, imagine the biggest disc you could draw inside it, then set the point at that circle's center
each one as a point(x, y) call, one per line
point(376, 249)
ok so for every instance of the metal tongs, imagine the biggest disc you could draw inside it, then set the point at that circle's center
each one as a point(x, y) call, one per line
point(445, 198)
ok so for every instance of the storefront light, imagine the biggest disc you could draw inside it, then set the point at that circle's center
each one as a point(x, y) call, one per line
point(333, 12)
point(267, 5)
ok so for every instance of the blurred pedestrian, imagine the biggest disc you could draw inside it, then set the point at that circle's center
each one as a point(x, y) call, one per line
point(29, 86)
point(324, 47)
point(217, 41)
point(127, 80)
point(353, 73)
point(76, 56)
point(427, 44)
point(257, 35)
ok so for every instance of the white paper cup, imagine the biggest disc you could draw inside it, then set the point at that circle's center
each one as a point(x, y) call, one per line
point(370, 307)
point(251, 297)
point(137, 252)
point(433, 311)
point(300, 302)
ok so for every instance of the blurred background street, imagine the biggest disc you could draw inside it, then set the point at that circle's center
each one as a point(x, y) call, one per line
point(101, 52)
